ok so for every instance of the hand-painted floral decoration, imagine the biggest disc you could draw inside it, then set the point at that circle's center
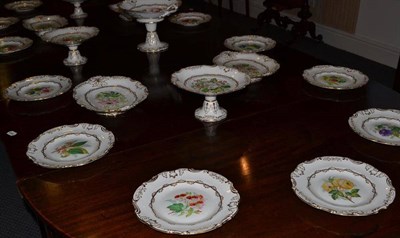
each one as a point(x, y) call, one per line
point(389, 131)
point(186, 204)
point(340, 188)
point(71, 148)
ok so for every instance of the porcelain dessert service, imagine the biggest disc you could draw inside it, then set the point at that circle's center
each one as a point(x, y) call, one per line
point(23, 6)
point(255, 65)
point(186, 201)
point(378, 125)
point(42, 24)
point(190, 19)
point(110, 95)
point(334, 77)
point(78, 11)
point(71, 37)
point(11, 44)
point(210, 81)
point(70, 145)
point(150, 12)
point(6, 22)
point(249, 43)
point(342, 186)
point(38, 88)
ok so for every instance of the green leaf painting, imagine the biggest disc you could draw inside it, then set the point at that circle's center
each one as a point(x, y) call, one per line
point(340, 188)
point(111, 99)
point(37, 91)
point(248, 69)
point(186, 204)
point(212, 85)
point(333, 80)
point(388, 131)
point(249, 47)
point(72, 148)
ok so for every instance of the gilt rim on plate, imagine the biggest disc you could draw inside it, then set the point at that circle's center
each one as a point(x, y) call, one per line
point(335, 77)
point(70, 145)
point(210, 198)
point(342, 186)
point(377, 125)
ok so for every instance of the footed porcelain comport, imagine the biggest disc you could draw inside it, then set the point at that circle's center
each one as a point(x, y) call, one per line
point(150, 12)
point(78, 12)
point(110, 95)
point(210, 81)
point(71, 37)
point(41, 24)
point(23, 6)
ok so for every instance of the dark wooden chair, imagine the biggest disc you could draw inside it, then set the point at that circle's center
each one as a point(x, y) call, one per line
point(247, 6)
point(301, 28)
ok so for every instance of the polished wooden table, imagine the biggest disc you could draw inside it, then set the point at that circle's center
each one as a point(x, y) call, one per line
point(271, 127)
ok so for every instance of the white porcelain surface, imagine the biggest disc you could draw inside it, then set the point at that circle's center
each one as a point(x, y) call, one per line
point(378, 125)
point(38, 88)
point(249, 43)
point(110, 95)
point(255, 65)
point(334, 77)
point(23, 6)
point(342, 186)
point(70, 145)
point(150, 9)
point(42, 23)
point(190, 18)
point(186, 201)
point(11, 44)
point(6, 22)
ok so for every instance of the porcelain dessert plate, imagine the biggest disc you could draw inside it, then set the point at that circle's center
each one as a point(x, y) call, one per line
point(249, 43)
point(42, 24)
point(70, 36)
point(38, 88)
point(255, 65)
point(378, 125)
point(342, 186)
point(334, 77)
point(210, 80)
point(23, 6)
point(6, 22)
point(11, 44)
point(110, 95)
point(70, 145)
point(190, 18)
point(150, 9)
point(186, 201)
